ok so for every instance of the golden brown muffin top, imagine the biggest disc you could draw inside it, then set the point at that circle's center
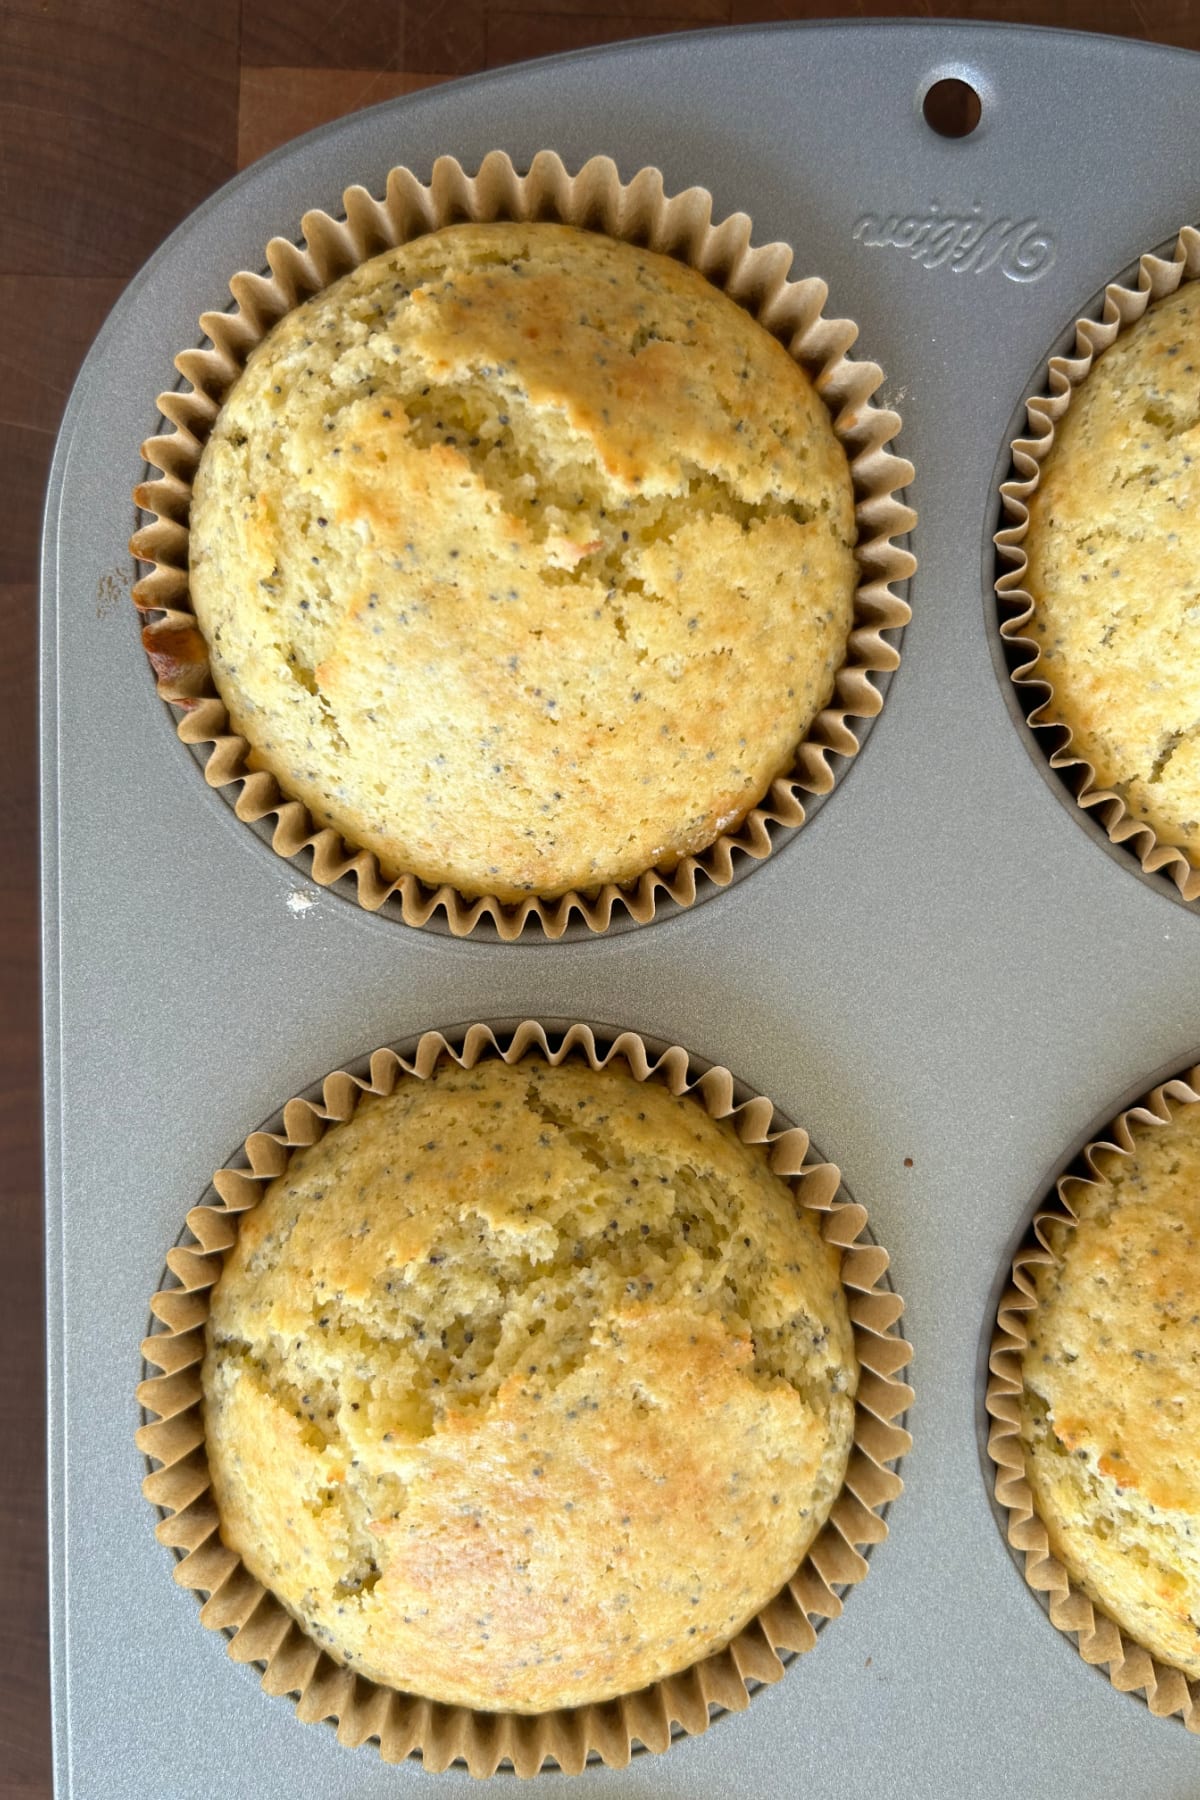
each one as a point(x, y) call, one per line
point(527, 1386)
point(1112, 1389)
point(1114, 569)
point(524, 558)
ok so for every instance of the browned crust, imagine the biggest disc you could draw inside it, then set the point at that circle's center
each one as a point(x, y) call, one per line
point(1123, 306)
point(259, 1629)
point(1098, 1638)
point(637, 211)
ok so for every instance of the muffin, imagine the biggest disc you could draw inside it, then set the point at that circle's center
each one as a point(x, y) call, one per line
point(526, 1386)
point(633, 725)
point(524, 559)
point(1111, 1389)
point(1113, 549)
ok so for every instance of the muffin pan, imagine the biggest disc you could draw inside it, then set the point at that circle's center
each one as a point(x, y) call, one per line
point(941, 975)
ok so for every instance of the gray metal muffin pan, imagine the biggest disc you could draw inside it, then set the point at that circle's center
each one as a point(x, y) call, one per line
point(941, 970)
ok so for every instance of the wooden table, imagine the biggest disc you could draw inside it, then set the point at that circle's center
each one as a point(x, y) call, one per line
point(117, 117)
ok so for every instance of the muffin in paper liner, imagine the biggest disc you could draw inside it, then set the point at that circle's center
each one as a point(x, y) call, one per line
point(262, 1632)
point(1098, 1638)
point(637, 212)
point(1124, 306)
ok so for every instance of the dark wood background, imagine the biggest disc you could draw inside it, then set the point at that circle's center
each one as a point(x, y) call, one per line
point(117, 117)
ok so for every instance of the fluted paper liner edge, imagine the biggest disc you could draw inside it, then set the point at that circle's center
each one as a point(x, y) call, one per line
point(1098, 1638)
point(638, 212)
point(1123, 307)
point(262, 1631)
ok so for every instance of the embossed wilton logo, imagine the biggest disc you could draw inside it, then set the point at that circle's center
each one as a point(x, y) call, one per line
point(1022, 249)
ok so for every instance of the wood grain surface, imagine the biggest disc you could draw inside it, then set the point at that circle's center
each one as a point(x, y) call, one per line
point(117, 117)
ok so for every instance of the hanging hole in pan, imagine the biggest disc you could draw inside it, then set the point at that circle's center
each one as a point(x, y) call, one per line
point(952, 107)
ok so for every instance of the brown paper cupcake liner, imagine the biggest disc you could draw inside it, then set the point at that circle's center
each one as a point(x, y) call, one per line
point(262, 1632)
point(1123, 306)
point(1099, 1640)
point(595, 199)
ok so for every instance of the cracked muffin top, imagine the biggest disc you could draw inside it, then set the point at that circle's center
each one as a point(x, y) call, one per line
point(524, 559)
point(1112, 1390)
point(1113, 551)
point(527, 1386)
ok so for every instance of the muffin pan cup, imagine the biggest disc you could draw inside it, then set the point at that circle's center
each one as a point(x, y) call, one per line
point(261, 1631)
point(638, 212)
point(1099, 1639)
point(1123, 305)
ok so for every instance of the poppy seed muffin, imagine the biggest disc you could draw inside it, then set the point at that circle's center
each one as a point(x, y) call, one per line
point(527, 1386)
point(1113, 551)
point(524, 559)
point(1112, 1392)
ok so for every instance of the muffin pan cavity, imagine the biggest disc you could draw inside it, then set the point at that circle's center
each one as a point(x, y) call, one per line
point(1144, 1302)
point(1062, 383)
point(404, 1725)
point(598, 775)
